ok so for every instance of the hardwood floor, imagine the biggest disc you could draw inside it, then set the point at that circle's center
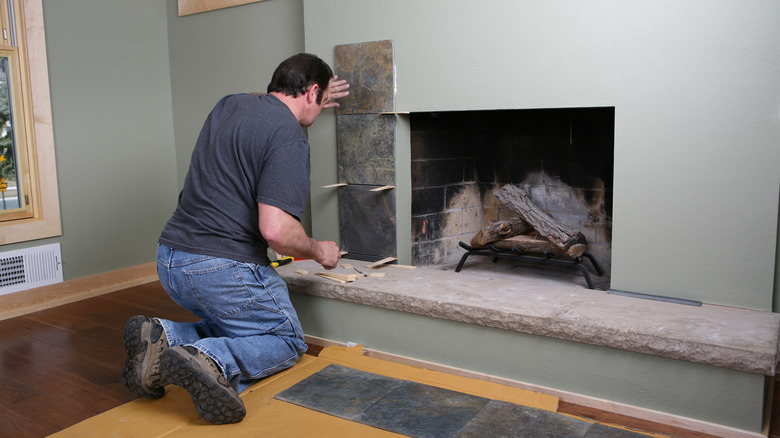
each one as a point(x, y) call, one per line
point(63, 365)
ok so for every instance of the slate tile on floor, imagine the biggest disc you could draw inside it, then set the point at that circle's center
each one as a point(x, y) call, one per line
point(339, 391)
point(424, 411)
point(508, 420)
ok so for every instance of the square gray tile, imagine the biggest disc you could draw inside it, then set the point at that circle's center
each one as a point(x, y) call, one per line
point(508, 420)
point(340, 391)
point(424, 411)
point(366, 149)
point(367, 221)
point(369, 69)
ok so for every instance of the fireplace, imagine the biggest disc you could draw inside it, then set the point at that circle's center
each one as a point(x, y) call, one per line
point(562, 157)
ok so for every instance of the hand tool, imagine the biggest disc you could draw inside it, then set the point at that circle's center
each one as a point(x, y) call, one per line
point(359, 272)
point(281, 262)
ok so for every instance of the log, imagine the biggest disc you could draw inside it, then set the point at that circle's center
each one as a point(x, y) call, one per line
point(501, 230)
point(518, 199)
point(535, 244)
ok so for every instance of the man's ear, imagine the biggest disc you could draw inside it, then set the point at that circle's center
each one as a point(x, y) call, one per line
point(311, 93)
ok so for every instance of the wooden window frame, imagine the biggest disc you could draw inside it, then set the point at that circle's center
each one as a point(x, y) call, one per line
point(45, 221)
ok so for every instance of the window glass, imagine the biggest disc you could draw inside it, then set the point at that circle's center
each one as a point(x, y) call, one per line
point(9, 184)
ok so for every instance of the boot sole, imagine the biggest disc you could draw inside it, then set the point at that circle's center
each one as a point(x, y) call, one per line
point(216, 402)
point(139, 352)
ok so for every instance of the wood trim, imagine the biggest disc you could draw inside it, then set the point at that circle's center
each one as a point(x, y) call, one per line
point(46, 222)
point(670, 421)
point(189, 7)
point(45, 297)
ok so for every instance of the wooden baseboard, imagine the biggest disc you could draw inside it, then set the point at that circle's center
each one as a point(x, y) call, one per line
point(683, 426)
point(33, 300)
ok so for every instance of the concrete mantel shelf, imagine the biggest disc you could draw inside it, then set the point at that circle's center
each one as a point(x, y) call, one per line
point(737, 339)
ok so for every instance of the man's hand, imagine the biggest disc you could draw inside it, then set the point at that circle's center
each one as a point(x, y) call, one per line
point(285, 235)
point(329, 254)
point(336, 89)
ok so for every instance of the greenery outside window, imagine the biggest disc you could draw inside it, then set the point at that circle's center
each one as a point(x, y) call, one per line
point(14, 199)
point(29, 206)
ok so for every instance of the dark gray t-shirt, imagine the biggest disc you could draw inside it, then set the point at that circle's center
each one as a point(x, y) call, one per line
point(251, 149)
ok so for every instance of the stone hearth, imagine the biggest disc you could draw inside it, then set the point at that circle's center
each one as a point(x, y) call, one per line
point(737, 339)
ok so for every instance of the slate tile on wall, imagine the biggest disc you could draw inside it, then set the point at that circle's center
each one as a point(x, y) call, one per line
point(368, 67)
point(367, 221)
point(366, 149)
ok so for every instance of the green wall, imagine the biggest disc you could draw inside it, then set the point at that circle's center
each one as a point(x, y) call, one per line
point(111, 109)
point(233, 50)
point(695, 87)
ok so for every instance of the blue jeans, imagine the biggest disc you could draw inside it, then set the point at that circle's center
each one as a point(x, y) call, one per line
point(248, 324)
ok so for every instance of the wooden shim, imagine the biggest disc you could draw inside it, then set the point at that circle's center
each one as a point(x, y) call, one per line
point(501, 230)
point(518, 199)
point(334, 185)
point(381, 262)
point(331, 276)
point(301, 271)
point(339, 278)
point(379, 189)
point(403, 266)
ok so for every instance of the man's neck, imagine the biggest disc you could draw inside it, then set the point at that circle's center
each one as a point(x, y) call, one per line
point(295, 104)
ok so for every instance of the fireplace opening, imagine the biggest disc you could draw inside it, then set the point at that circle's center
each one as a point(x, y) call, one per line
point(563, 158)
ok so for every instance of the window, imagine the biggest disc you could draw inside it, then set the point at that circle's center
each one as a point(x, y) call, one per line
point(29, 207)
point(14, 160)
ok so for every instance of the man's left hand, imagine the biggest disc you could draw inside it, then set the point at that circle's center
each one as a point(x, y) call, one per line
point(336, 89)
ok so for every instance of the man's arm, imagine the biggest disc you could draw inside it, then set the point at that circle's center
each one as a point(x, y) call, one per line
point(286, 235)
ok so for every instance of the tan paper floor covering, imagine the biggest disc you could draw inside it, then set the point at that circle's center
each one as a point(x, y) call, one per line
point(174, 415)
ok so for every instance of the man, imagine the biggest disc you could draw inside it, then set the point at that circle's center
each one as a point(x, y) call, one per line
point(245, 191)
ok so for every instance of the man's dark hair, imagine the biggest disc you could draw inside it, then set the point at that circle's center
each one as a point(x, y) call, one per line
point(296, 74)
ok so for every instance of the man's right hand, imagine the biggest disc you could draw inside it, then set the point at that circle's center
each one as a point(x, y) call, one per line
point(285, 235)
point(329, 254)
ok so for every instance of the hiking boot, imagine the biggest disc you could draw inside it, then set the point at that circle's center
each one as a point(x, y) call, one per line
point(145, 342)
point(215, 400)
